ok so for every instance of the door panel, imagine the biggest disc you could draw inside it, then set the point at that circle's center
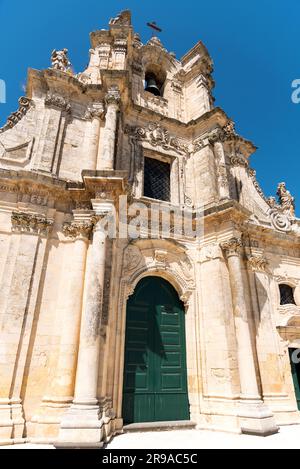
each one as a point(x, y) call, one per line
point(155, 381)
point(296, 376)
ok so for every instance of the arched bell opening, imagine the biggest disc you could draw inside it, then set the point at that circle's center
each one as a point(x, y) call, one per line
point(155, 79)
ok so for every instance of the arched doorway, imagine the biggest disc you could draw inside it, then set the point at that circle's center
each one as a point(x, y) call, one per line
point(155, 375)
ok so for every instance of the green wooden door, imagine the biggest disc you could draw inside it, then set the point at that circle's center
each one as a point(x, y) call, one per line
point(155, 377)
point(296, 375)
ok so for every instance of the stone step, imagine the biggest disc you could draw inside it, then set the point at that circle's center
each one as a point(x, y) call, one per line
point(159, 426)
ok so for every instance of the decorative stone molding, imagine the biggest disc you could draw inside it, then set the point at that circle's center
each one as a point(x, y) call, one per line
point(30, 223)
point(188, 201)
point(60, 61)
point(174, 266)
point(132, 258)
point(252, 174)
point(239, 160)
point(157, 136)
point(161, 257)
point(113, 96)
point(210, 252)
point(222, 175)
point(58, 101)
point(280, 221)
point(15, 117)
point(75, 230)
point(120, 45)
point(257, 263)
point(232, 247)
point(198, 145)
point(223, 133)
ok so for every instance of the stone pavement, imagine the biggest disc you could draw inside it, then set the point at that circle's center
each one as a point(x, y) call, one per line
point(288, 438)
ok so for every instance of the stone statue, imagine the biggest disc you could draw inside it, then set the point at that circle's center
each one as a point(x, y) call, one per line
point(286, 200)
point(60, 61)
point(229, 129)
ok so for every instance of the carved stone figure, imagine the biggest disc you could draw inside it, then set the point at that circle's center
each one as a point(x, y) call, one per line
point(286, 200)
point(60, 61)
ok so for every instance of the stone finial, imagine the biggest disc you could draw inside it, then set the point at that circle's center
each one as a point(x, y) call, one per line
point(156, 42)
point(232, 247)
point(286, 200)
point(122, 19)
point(60, 61)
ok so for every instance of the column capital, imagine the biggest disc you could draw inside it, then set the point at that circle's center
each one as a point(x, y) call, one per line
point(112, 97)
point(232, 247)
point(257, 263)
point(30, 223)
point(78, 229)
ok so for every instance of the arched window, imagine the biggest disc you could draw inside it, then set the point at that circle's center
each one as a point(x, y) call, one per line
point(286, 295)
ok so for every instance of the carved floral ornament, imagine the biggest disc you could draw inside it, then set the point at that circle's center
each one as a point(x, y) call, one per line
point(30, 223)
point(157, 136)
point(78, 229)
point(257, 263)
point(56, 100)
point(137, 263)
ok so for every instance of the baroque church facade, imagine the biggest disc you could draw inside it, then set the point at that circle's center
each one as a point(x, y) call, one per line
point(101, 331)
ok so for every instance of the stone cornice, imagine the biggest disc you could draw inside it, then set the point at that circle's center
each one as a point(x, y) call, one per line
point(30, 223)
point(271, 236)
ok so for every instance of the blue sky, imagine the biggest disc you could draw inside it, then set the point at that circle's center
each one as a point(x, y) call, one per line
point(253, 46)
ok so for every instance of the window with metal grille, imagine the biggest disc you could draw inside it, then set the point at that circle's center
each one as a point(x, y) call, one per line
point(286, 295)
point(156, 179)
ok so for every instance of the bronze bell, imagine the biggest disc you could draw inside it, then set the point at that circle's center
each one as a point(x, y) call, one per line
point(151, 85)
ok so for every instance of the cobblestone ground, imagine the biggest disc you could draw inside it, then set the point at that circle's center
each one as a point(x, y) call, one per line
point(288, 438)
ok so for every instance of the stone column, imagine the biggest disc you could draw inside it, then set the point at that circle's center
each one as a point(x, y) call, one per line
point(27, 229)
point(82, 424)
point(223, 182)
point(267, 340)
point(255, 417)
point(112, 100)
point(62, 385)
point(95, 115)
